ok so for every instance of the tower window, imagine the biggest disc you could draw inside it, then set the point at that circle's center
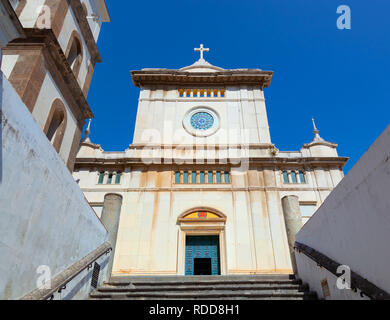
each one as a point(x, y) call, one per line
point(185, 177)
point(227, 177)
point(101, 178)
point(201, 93)
point(210, 177)
point(56, 124)
point(118, 178)
point(74, 53)
point(193, 177)
point(302, 177)
point(177, 177)
point(285, 177)
point(201, 177)
point(219, 181)
point(58, 118)
point(294, 177)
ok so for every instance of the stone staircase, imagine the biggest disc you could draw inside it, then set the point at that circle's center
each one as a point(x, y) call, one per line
point(251, 287)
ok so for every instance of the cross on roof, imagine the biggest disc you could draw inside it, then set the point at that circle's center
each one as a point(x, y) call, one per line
point(201, 50)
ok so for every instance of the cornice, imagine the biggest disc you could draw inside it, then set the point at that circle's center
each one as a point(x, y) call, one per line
point(201, 100)
point(178, 78)
point(258, 161)
point(205, 188)
point(320, 143)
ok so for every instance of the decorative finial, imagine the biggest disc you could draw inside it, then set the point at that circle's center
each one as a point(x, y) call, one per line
point(314, 125)
point(87, 132)
point(316, 132)
point(201, 50)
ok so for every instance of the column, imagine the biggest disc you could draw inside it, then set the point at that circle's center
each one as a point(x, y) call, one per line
point(110, 219)
point(293, 221)
point(105, 179)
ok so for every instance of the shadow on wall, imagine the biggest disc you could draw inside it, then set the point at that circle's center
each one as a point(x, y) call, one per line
point(1, 123)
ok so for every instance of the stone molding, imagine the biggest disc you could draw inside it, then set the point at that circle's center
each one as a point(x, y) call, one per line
point(192, 188)
point(201, 100)
point(178, 78)
point(272, 163)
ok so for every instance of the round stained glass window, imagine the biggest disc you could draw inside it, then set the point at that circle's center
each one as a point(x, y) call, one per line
point(202, 121)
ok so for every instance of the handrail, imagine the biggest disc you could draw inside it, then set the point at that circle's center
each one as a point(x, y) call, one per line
point(357, 282)
point(59, 282)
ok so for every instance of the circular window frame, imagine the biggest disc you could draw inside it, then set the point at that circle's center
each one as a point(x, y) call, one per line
point(201, 133)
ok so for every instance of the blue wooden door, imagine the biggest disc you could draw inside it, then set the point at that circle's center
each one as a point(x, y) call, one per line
point(202, 247)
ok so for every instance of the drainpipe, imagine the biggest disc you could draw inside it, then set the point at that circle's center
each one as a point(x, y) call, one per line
point(293, 222)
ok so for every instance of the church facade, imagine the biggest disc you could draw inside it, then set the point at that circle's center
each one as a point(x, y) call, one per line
point(201, 187)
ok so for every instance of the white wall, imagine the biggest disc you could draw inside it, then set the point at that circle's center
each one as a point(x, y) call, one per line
point(44, 218)
point(241, 109)
point(352, 226)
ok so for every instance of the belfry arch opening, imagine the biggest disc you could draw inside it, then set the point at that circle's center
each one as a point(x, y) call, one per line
point(74, 53)
point(56, 124)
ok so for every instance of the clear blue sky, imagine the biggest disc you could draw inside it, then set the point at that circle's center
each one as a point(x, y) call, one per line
point(340, 77)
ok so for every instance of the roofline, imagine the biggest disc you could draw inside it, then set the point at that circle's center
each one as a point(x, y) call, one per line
point(102, 6)
point(177, 77)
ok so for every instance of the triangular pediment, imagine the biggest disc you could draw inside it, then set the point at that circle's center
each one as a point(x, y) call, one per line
point(201, 66)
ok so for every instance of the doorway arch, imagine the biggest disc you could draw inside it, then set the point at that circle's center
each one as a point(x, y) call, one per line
point(197, 223)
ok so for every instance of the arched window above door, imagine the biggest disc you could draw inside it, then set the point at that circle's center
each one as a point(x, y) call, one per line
point(202, 214)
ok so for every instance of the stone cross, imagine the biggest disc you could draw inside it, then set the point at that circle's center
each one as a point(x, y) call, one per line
point(201, 50)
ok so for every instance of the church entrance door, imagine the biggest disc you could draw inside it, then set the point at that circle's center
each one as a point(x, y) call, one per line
point(202, 255)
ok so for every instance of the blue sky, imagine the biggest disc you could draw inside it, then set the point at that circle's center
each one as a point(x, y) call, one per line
point(340, 77)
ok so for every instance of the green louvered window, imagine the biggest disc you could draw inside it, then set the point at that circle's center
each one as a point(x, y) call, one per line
point(210, 177)
point(302, 177)
point(201, 177)
point(294, 177)
point(285, 177)
point(185, 177)
point(193, 177)
point(227, 177)
point(118, 178)
point(219, 180)
point(101, 178)
point(177, 177)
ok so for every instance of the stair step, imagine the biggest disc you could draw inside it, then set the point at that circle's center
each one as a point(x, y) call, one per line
point(251, 287)
point(213, 294)
point(202, 287)
point(175, 279)
point(203, 282)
